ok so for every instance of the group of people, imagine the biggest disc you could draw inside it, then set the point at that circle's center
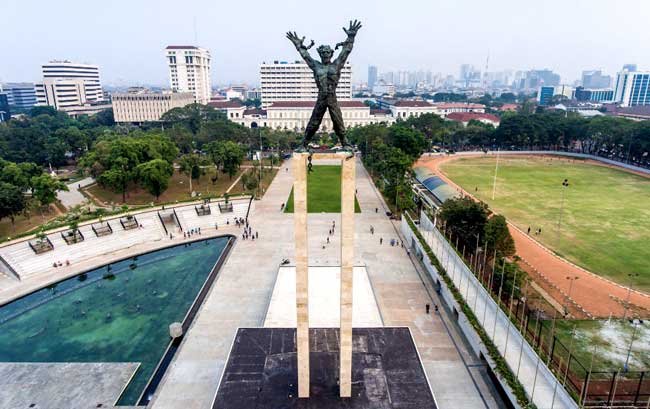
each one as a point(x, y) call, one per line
point(393, 242)
point(248, 230)
point(60, 264)
point(330, 232)
point(190, 232)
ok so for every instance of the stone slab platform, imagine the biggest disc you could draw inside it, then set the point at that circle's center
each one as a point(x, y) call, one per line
point(261, 371)
point(63, 385)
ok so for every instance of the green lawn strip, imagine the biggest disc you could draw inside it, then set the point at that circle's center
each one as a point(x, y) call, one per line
point(323, 191)
point(605, 222)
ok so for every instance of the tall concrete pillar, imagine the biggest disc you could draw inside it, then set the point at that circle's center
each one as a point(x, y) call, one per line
point(302, 270)
point(348, 172)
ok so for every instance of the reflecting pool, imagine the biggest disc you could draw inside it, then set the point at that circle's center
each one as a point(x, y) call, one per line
point(117, 313)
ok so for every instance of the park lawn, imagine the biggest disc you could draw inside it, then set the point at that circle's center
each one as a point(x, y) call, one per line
point(323, 191)
point(179, 189)
point(31, 222)
point(267, 177)
point(606, 219)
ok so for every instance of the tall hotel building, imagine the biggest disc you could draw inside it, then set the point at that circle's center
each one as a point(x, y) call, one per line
point(632, 88)
point(189, 71)
point(284, 81)
point(67, 84)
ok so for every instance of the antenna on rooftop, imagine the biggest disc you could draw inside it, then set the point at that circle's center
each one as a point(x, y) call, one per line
point(196, 36)
point(485, 73)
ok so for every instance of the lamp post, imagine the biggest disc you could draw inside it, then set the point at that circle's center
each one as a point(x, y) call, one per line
point(629, 291)
point(565, 184)
point(636, 324)
point(571, 280)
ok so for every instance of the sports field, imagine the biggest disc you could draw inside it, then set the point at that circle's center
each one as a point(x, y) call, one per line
point(606, 214)
point(323, 191)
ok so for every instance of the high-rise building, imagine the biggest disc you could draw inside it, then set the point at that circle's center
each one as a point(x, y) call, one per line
point(545, 93)
point(67, 84)
point(632, 88)
point(536, 78)
point(372, 76)
point(284, 81)
point(595, 79)
point(20, 96)
point(5, 112)
point(189, 71)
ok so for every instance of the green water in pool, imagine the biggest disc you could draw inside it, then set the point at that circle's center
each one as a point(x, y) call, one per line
point(117, 313)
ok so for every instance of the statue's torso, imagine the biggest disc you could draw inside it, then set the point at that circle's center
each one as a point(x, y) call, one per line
point(327, 77)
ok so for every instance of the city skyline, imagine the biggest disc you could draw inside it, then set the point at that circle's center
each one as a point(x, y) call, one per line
point(126, 40)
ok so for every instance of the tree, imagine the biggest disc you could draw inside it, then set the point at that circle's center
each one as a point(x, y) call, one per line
point(12, 201)
point(465, 218)
point(154, 176)
point(408, 140)
point(190, 165)
point(45, 189)
point(116, 179)
point(497, 236)
point(233, 157)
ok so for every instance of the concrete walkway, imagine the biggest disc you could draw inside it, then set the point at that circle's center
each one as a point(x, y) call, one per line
point(540, 384)
point(73, 196)
point(241, 295)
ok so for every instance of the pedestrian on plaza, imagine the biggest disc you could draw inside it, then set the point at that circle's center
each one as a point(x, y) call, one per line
point(257, 234)
point(427, 307)
point(328, 239)
point(435, 308)
point(381, 240)
point(376, 210)
point(539, 231)
point(372, 230)
point(216, 226)
point(528, 229)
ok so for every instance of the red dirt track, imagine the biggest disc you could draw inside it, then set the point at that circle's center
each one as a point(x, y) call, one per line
point(592, 295)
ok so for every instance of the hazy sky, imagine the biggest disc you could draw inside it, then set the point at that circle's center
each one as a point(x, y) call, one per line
point(127, 38)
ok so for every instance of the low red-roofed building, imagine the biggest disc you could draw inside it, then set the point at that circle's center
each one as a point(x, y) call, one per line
point(465, 117)
point(445, 108)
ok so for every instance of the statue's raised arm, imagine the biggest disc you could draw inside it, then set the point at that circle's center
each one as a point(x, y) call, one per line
point(346, 46)
point(299, 43)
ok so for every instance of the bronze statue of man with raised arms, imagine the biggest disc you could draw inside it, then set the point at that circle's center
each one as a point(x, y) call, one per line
point(327, 74)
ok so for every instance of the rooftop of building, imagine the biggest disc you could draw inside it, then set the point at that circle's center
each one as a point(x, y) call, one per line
point(449, 105)
point(310, 104)
point(255, 111)
point(181, 47)
point(411, 103)
point(233, 103)
point(468, 116)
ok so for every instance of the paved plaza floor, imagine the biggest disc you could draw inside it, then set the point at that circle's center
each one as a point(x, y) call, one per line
point(324, 299)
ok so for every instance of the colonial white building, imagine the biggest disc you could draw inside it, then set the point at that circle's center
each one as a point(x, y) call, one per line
point(294, 115)
point(189, 71)
point(142, 105)
point(285, 81)
point(68, 85)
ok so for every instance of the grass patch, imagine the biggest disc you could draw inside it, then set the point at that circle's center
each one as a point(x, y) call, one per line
point(323, 191)
point(179, 189)
point(606, 218)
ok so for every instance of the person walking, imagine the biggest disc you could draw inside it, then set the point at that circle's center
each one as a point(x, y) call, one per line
point(427, 307)
point(528, 229)
point(381, 240)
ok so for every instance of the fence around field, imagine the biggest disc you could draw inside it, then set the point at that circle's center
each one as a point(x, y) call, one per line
point(589, 386)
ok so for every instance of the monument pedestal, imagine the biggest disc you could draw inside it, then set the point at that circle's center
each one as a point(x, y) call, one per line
point(301, 237)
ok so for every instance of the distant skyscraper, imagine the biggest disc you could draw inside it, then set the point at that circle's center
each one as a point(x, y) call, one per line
point(189, 71)
point(537, 78)
point(283, 81)
point(595, 79)
point(20, 96)
point(372, 76)
point(67, 84)
point(629, 67)
point(632, 88)
point(5, 112)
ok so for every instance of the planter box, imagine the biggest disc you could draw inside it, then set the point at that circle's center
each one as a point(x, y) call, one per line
point(225, 207)
point(203, 210)
point(41, 246)
point(102, 229)
point(129, 222)
point(72, 237)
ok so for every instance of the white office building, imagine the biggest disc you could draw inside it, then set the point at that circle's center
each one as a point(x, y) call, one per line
point(67, 84)
point(189, 71)
point(632, 88)
point(285, 81)
point(142, 105)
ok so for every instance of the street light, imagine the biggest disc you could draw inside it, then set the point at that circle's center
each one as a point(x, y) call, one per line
point(571, 280)
point(636, 324)
point(565, 184)
point(629, 291)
